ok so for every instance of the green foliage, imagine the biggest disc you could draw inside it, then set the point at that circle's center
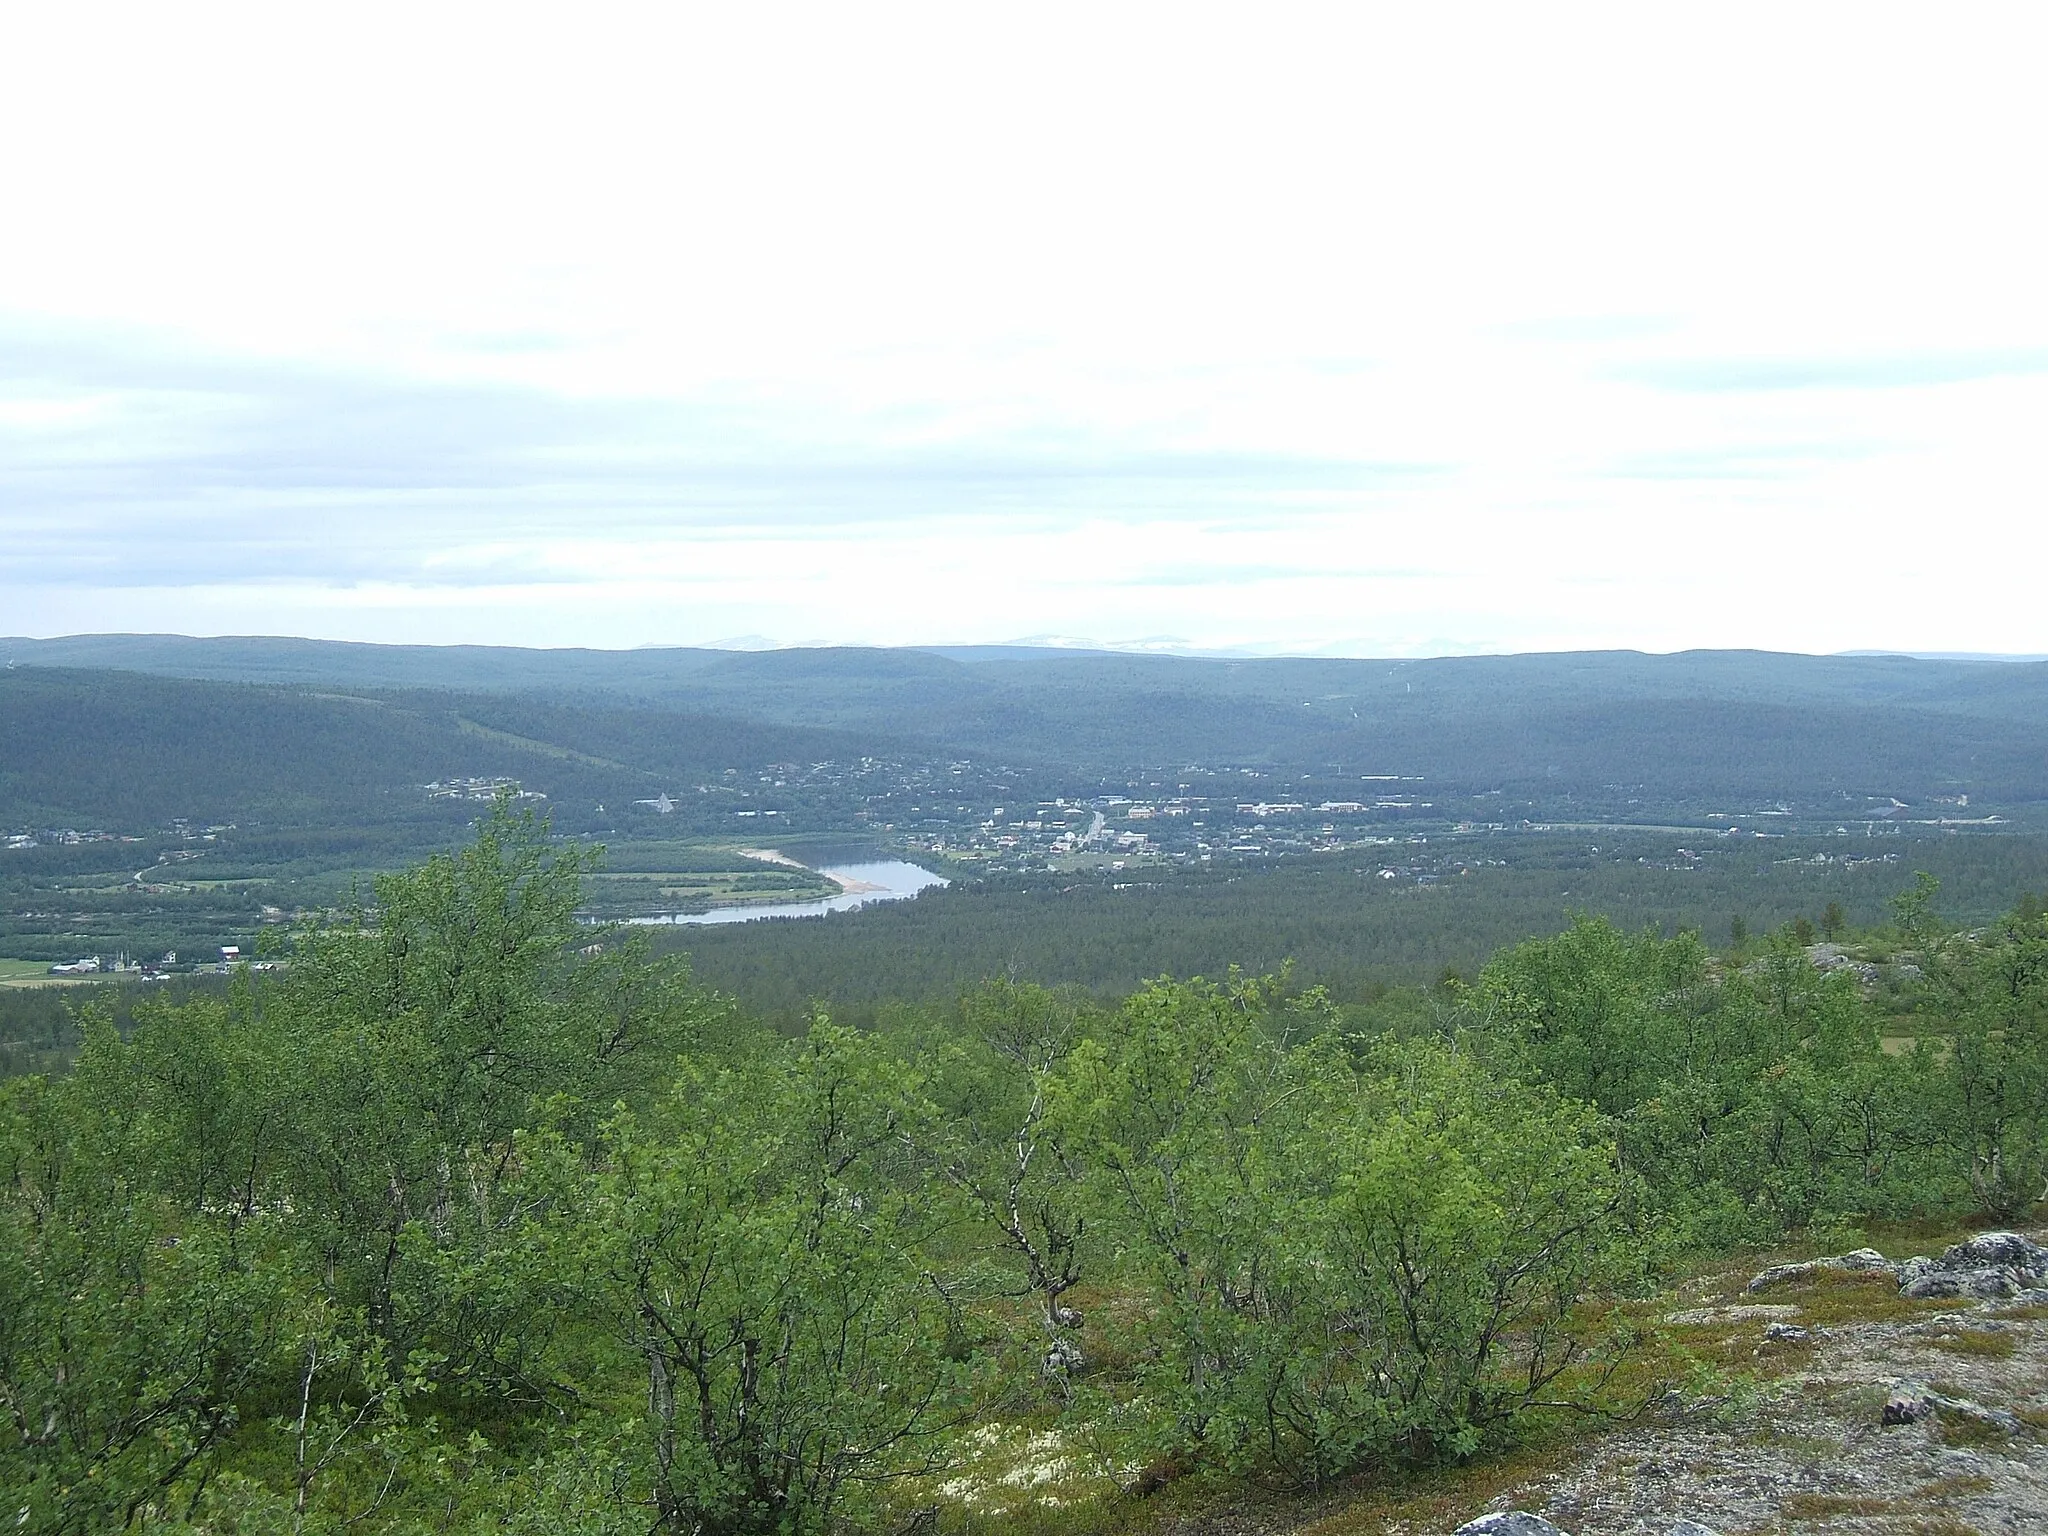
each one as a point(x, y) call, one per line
point(1581, 1007)
point(760, 1249)
point(1354, 1267)
point(301, 1205)
point(1768, 1100)
point(1194, 1107)
point(1004, 1142)
point(1989, 989)
point(475, 1218)
point(129, 1339)
point(1473, 1217)
point(425, 1037)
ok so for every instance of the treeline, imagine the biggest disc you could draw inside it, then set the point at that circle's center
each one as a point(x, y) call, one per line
point(458, 1225)
point(39, 1026)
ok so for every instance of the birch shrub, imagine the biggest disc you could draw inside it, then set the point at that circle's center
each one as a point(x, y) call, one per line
point(1353, 1265)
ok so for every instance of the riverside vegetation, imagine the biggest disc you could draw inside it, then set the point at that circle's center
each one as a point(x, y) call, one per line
point(464, 1222)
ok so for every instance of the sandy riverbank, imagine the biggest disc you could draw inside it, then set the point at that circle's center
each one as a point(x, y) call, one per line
point(771, 856)
point(846, 887)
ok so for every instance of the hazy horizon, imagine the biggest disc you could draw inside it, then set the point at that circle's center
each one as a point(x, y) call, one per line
point(748, 644)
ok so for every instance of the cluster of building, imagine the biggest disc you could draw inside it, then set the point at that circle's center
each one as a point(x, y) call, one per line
point(1121, 830)
point(60, 837)
point(182, 827)
point(1009, 820)
point(231, 956)
point(484, 790)
point(870, 794)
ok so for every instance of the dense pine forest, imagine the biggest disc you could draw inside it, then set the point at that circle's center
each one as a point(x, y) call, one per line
point(1368, 930)
point(475, 1218)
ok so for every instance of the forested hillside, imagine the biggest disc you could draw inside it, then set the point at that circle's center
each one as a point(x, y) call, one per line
point(129, 751)
point(1691, 728)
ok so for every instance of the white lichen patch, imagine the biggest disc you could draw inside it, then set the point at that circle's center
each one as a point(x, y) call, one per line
point(1703, 1316)
point(1005, 1464)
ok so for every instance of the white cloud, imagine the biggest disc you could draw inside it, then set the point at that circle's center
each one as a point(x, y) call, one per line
point(1353, 327)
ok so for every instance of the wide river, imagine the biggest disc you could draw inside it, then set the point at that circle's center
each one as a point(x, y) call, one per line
point(887, 880)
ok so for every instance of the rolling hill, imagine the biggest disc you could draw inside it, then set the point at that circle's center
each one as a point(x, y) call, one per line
point(1682, 731)
point(133, 751)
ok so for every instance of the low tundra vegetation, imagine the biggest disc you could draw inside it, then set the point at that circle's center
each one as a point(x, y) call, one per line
point(460, 1222)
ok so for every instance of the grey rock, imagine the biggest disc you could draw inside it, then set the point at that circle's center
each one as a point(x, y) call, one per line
point(1992, 1266)
point(1909, 1403)
point(1779, 1274)
point(1513, 1522)
point(1959, 1463)
point(1830, 958)
point(1997, 1419)
point(2003, 1250)
point(1786, 1333)
point(1988, 1283)
point(1688, 1528)
point(1912, 1271)
point(1760, 1311)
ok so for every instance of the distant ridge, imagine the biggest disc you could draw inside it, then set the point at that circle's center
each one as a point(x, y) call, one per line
point(239, 653)
point(1953, 655)
point(1569, 737)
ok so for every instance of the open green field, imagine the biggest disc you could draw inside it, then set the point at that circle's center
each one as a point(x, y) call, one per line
point(60, 903)
point(641, 877)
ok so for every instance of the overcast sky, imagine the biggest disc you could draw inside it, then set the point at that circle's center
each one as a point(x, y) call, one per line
point(1373, 330)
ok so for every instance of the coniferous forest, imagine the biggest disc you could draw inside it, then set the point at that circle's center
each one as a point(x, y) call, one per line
point(472, 1217)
